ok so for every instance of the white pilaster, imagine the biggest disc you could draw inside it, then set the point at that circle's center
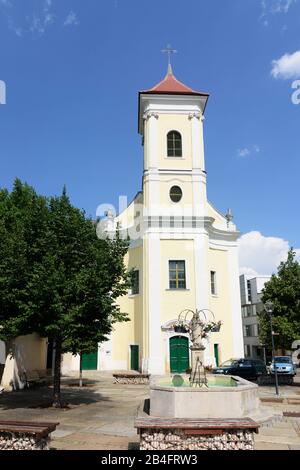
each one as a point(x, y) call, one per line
point(199, 175)
point(152, 179)
point(202, 287)
point(199, 193)
point(235, 301)
point(155, 362)
point(152, 119)
point(197, 141)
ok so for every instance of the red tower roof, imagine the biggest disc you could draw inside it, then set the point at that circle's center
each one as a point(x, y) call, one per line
point(170, 85)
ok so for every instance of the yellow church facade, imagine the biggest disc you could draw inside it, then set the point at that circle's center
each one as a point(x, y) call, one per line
point(183, 252)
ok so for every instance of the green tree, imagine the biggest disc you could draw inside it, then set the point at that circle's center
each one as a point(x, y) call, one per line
point(283, 290)
point(57, 278)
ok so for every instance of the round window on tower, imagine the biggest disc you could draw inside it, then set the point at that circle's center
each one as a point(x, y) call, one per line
point(175, 194)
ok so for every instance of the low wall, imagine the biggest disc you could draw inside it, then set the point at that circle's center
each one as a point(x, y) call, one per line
point(17, 441)
point(177, 439)
point(25, 435)
point(135, 379)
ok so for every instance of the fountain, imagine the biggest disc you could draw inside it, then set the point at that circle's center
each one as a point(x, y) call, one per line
point(200, 396)
point(198, 411)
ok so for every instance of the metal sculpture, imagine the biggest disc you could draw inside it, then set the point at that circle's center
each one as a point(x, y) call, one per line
point(198, 327)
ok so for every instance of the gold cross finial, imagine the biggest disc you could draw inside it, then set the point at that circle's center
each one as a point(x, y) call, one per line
point(169, 51)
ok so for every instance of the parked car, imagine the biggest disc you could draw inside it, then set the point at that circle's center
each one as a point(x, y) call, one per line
point(245, 368)
point(284, 366)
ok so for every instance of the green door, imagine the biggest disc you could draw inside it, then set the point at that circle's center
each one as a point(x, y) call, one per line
point(179, 354)
point(134, 357)
point(89, 361)
point(216, 350)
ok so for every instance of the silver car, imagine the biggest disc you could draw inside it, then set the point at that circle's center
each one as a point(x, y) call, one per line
point(284, 366)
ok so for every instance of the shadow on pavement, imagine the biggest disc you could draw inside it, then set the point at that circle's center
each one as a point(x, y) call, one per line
point(41, 397)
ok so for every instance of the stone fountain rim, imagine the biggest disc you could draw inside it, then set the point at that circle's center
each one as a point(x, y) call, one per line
point(244, 385)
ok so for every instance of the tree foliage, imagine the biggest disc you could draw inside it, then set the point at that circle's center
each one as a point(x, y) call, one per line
point(57, 278)
point(283, 290)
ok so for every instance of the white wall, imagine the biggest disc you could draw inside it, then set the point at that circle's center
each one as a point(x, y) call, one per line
point(29, 353)
point(2, 352)
point(257, 285)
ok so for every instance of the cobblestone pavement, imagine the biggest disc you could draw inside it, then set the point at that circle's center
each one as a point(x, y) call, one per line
point(101, 415)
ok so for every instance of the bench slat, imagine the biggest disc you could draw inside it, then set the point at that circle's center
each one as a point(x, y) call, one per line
point(25, 427)
point(170, 423)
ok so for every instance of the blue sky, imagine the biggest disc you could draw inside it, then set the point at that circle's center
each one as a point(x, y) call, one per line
point(73, 69)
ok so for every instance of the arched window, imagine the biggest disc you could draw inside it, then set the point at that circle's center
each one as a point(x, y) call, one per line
point(174, 144)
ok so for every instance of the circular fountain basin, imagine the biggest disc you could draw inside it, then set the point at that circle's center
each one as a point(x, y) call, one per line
point(225, 397)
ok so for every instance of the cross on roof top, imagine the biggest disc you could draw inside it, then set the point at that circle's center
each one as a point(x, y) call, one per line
point(169, 51)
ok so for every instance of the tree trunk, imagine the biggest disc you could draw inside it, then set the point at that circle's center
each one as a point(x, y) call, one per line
point(80, 371)
point(57, 373)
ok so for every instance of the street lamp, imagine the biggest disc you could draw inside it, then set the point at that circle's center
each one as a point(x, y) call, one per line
point(269, 307)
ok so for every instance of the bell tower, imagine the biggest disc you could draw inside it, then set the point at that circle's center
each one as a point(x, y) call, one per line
point(171, 117)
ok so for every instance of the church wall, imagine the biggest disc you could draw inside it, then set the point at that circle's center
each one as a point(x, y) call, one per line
point(129, 333)
point(29, 353)
point(164, 203)
point(182, 124)
point(186, 203)
point(220, 221)
point(220, 305)
point(174, 301)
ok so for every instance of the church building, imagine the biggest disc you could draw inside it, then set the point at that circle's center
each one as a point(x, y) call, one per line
point(183, 252)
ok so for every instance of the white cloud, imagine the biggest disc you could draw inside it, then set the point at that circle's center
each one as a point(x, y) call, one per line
point(36, 22)
point(260, 255)
point(72, 19)
point(288, 66)
point(245, 152)
point(274, 7)
point(281, 6)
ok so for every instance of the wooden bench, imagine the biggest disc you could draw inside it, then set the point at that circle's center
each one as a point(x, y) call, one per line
point(196, 434)
point(24, 435)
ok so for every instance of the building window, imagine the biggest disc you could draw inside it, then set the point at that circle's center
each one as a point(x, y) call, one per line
point(135, 282)
point(248, 330)
point(174, 144)
point(177, 275)
point(213, 282)
point(175, 194)
point(247, 350)
point(249, 291)
point(249, 311)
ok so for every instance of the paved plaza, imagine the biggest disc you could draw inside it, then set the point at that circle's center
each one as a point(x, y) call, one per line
point(101, 415)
